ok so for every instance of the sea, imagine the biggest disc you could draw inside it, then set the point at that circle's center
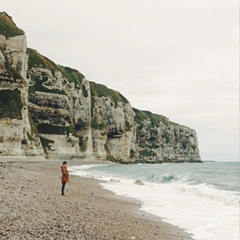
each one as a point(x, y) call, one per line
point(201, 198)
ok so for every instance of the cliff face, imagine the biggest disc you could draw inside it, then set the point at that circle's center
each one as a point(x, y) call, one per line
point(17, 135)
point(51, 110)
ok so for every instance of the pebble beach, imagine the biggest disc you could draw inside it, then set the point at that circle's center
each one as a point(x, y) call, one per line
point(32, 207)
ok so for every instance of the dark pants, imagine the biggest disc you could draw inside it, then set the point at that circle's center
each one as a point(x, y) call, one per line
point(63, 187)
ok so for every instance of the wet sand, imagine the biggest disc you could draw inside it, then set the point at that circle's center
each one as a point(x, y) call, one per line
point(32, 207)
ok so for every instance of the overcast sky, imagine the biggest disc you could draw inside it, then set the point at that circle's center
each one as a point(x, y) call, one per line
point(178, 58)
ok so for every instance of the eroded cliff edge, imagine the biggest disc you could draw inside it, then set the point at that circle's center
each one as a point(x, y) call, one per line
point(54, 111)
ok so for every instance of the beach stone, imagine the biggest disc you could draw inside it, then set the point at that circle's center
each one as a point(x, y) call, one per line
point(138, 182)
point(87, 212)
point(114, 180)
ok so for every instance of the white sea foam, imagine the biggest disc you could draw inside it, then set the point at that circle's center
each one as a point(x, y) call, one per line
point(215, 216)
point(202, 210)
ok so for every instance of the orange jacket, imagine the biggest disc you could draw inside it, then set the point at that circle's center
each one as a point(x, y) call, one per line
point(65, 177)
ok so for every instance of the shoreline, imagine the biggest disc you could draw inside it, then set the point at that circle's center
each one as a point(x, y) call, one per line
point(33, 208)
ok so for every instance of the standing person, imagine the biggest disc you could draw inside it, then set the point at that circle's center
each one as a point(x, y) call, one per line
point(65, 176)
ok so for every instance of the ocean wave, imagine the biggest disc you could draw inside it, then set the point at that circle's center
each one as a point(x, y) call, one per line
point(167, 178)
point(192, 197)
point(207, 191)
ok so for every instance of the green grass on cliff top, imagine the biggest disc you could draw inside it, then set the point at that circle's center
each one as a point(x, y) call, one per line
point(154, 118)
point(37, 60)
point(7, 27)
point(99, 90)
point(71, 74)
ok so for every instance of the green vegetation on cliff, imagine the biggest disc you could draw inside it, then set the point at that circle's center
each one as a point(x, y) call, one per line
point(12, 71)
point(38, 86)
point(154, 118)
point(10, 104)
point(99, 90)
point(147, 153)
point(71, 74)
point(7, 27)
point(46, 143)
point(37, 60)
point(53, 129)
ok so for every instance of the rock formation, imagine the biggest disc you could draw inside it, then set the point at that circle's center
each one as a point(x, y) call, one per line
point(51, 110)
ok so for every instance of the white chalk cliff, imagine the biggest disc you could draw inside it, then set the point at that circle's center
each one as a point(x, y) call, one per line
point(54, 111)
